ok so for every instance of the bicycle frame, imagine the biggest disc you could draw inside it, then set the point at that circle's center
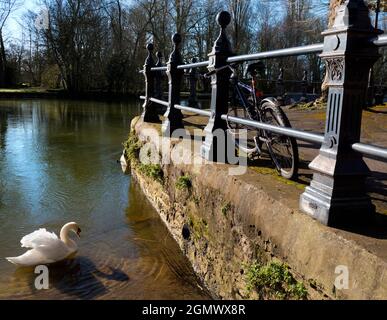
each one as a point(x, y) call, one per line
point(238, 87)
point(262, 110)
point(252, 108)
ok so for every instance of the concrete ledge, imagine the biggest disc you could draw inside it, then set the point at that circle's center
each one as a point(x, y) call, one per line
point(262, 220)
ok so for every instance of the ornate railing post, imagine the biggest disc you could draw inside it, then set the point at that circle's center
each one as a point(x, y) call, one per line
point(337, 192)
point(193, 78)
point(173, 117)
point(304, 84)
point(280, 88)
point(219, 96)
point(150, 113)
point(158, 76)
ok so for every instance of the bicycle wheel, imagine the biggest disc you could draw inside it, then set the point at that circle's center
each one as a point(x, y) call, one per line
point(244, 137)
point(283, 150)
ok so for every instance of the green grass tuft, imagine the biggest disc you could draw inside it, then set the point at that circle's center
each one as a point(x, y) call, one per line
point(153, 171)
point(226, 208)
point(274, 280)
point(132, 147)
point(184, 182)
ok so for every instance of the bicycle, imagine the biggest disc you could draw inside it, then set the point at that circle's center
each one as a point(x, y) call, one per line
point(247, 102)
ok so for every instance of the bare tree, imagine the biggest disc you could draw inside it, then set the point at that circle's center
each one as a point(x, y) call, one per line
point(100, 44)
point(333, 6)
point(241, 15)
point(6, 8)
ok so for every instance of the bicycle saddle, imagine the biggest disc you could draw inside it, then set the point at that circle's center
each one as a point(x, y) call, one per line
point(255, 67)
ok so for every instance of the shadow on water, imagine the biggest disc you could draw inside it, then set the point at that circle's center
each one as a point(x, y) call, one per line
point(78, 278)
point(153, 239)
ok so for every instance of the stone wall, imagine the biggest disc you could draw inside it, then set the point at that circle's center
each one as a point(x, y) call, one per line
point(224, 223)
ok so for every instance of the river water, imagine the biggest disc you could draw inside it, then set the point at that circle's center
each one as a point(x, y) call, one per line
point(58, 163)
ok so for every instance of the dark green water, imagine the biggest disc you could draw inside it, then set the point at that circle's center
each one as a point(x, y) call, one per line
point(58, 163)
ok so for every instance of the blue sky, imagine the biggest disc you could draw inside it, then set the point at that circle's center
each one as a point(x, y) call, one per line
point(12, 28)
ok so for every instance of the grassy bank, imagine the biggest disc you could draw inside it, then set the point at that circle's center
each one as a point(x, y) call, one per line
point(43, 93)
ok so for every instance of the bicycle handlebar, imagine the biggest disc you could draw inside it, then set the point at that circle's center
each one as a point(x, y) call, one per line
point(231, 66)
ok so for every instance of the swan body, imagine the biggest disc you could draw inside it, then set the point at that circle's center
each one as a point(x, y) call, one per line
point(45, 247)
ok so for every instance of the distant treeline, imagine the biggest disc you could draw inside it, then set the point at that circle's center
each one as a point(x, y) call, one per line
point(86, 45)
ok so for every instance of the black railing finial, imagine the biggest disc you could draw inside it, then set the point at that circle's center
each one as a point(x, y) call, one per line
point(305, 76)
point(149, 114)
point(175, 55)
point(304, 84)
point(193, 78)
point(173, 117)
point(149, 59)
point(212, 148)
point(280, 88)
point(281, 75)
point(159, 56)
point(158, 76)
point(223, 18)
point(222, 44)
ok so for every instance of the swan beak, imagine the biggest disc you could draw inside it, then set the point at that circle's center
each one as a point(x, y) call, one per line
point(79, 232)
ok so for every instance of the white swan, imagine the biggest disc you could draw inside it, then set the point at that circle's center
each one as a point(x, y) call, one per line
point(46, 247)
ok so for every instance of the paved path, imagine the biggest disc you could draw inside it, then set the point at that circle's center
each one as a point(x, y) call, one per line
point(374, 131)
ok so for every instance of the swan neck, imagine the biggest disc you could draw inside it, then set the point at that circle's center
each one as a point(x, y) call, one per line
point(64, 235)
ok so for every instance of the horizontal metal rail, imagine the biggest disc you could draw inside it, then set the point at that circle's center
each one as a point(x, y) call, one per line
point(296, 51)
point(159, 69)
point(366, 149)
point(155, 100)
point(380, 41)
point(194, 110)
point(371, 151)
point(162, 102)
point(194, 65)
point(297, 134)
point(309, 49)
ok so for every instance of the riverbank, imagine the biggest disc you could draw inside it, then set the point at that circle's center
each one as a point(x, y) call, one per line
point(43, 93)
point(245, 236)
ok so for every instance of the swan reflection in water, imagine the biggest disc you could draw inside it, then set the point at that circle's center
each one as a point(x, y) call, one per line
point(77, 277)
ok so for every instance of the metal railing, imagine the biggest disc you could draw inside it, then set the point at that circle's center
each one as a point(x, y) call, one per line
point(337, 192)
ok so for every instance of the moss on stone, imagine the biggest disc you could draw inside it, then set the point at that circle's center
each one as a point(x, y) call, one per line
point(153, 171)
point(184, 182)
point(196, 200)
point(198, 226)
point(274, 173)
point(132, 147)
point(383, 211)
point(226, 208)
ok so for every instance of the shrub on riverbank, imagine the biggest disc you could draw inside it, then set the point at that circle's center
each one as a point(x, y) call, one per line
point(132, 148)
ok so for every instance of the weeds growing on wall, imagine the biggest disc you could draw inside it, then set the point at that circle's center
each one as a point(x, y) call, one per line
point(274, 280)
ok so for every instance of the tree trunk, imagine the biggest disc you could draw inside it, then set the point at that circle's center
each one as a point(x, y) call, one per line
point(333, 5)
point(3, 61)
